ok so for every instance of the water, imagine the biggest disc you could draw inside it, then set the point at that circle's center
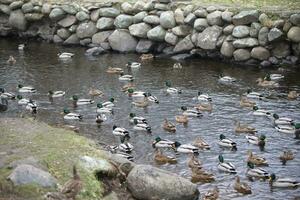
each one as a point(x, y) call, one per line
point(39, 66)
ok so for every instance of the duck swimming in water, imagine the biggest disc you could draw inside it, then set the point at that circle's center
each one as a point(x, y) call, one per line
point(161, 159)
point(172, 90)
point(7, 95)
point(226, 167)
point(80, 102)
point(26, 89)
point(241, 187)
point(65, 55)
point(11, 60)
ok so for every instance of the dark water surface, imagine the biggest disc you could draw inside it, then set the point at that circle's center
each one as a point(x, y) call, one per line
point(39, 66)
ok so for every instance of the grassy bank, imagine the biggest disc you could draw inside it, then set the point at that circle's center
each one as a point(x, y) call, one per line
point(56, 149)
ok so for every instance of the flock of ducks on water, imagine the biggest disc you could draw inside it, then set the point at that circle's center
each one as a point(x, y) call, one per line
point(144, 99)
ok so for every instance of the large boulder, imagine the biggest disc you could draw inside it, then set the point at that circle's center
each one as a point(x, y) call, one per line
point(281, 49)
point(184, 45)
point(208, 38)
point(105, 23)
point(121, 40)
point(139, 30)
point(72, 40)
point(109, 12)
point(260, 53)
point(152, 19)
point(182, 30)
point(245, 17)
point(144, 46)
point(100, 37)
point(82, 16)
point(17, 20)
point(227, 49)
point(85, 30)
point(67, 21)
point(200, 24)
point(167, 19)
point(274, 34)
point(295, 19)
point(245, 43)
point(215, 18)
point(263, 36)
point(123, 21)
point(147, 182)
point(240, 31)
point(179, 16)
point(139, 17)
point(294, 34)
point(157, 34)
point(57, 14)
point(241, 54)
point(63, 33)
point(171, 38)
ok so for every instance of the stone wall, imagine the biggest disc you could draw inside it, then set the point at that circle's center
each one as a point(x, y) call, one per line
point(248, 37)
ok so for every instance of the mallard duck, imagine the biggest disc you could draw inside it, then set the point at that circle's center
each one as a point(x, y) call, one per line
point(254, 95)
point(260, 112)
point(114, 70)
point(244, 128)
point(125, 155)
point(224, 142)
point(7, 95)
point(140, 120)
point(202, 176)
point(152, 98)
point(119, 131)
point(281, 120)
point(103, 110)
point(161, 159)
point(95, 92)
point(227, 79)
point(169, 126)
point(185, 148)
point(100, 118)
point(72, 188)
point(283, 182)
point(177, 66)
point(201, 144)
point(212, 194)
point(31, 106)
point(11, 60)
point(286, 156)
point(137, 96)
point(109, 104)
point(274, 77)
point(71, 116)
point(289, 129)
point(55, 94)
point(204, 107)
point(266, 83)
point(256, 173)
point(26, 89)
point(226, 167)
point(125, 77)
point(125, 146)
point(181, 119)
point(128, 86)
point(133, 65)
point(3, 105)
point(147, 56)
point(80, 102)
point(245, 102)
point(190, 112)
point(241, 187)
point(203, 97)
point(257, 160)
point(65, 55)
point(194, 163)
point(21, 47)
point(141, 127)
point(260, 141)
point(21, 100)
point(162, 143)
point(292, 95)
point(171, 90)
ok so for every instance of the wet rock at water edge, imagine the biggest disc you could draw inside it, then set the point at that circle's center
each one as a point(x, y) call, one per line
point(139, 30)
point(101, 37)
point(121, 40)
point(227, 49)
point(260, 53)
point(157, 34)
point(171, 38)
point(145, 46)
point(63, 33)
point(245, 17)
point(86, 29)
point(17, 20)
point(94, 51)
point(185, 45)
point(241, 55)
point(208, 38)
point(72, 40)
point(183, 56)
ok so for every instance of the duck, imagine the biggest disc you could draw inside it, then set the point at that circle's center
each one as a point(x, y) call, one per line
point(169, 126)
point(152, 98)
point(226, 167)
point(103, 110)
point(137, 96)
point(225, 142)
point(26, 89)
point(119, 131)
point(283, 182)
point(161, 159)
point(190, 112)
point(181, 119)
point(147, 56)
point(194, 163)
point(72, 187)
point(65, 55)
point(241, 187)
point(203, 97)
point(281, 120)
point(253, 95)
point(274, 77)
point(201, 144)
point(114, 70)
point(292, 95)
point(260, 112)
point(80, 102)
point(202, 176)
point(141, 104)
point(109, 104)
point(21, 100)
point(266, 83)
point(212, 194)
point(100, 118)
point(21, 47)
point(7, 95)
point(245, 102)
point(31, 106)
point(185, 148)
point(71, 116)
point(56, 94)
point(288, 129)
point(11, 60)
point(204, 107)
point(257, 160)
point(141, 127)
point(125, 155)
point(125, 77)
point(162, 143)
point(125, 146)
point(133, 65)
point(243, 128)
point(128, 86)
point(260, 141)
point(256, 173)
point(227, 79)
point(171, 90)
point(177, 66)
point(286, 156)
point(3, 105)
point(140, 120)
point(95, 92)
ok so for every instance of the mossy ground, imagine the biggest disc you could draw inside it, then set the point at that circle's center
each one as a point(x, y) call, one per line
point(56, 149)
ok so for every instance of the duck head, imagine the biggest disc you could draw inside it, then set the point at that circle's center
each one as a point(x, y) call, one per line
point(199, 93)
point(2, 90)
point(272, 177)
point(114, 127)
point(250, 165)
point(168, 83)
point(255, 108)
point(131, 115)
point(275, 116)
point(262, 137)
point(177, 144)
point(99, 105)
point(112, 99)
point(249, 91)
point(20, 86)
point(268, 77)
point(184, 108)
point(135, 121)
point(221, 159)
point(222, 137)
point(19, 97)
point(75, 98)
point(66, 111)
point(50, 92)
point(297, 126)
point(130, 91)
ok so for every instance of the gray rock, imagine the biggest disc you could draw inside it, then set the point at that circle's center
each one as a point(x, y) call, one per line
point(171, 38)
point(240, 31)
point(152, 19)
point(57, 39)
point(220, 41)
point(228, 29)
point(72, 40)
point(260, 53)
point(184, 45)
point(109, 12)
point(28, 161)
point(182, 30)
point(147, 182)
point(95, 15)
point(5, 9)
point(161, 6)
point(295, 19)
point(46, 31)
point(264, 19)
point(101, 37)
point(200, 24)
point(208, 38)
point(105, 23)
point(274, 60)
point(201, 13)
point(46, 8)
point(279, 23)
point(37, 9)
point(168, 50)
point(157, 34)
point(139, 30)
point(63, 33)
point(294, 34)
point(227, 16)
point(254, 29)
point(245, 17)
point(94, 51)
point(274, 35)
point(123, 21)
point(27, 174)
point(105, 46)
point(148, 6)
point(31, 17)
point(263, 36)
point(188, 9)
point(227, 49)
point(179, 16)
point(17, 20)
point(167, 19)
point(127, 8)
point(67, 21)
point(281, 49)
point(215, 18)
point(164, 1)
point(265, 63)
point(139, 17)
point(73, 28)
point(183, 56)
point(122, 41)
point(138, 6)
point(16, 5)
point(27, 7)
point(194, 38)
point(211, 9)
point(144, 46)
point(241, 55)
point(86, 29)
point(245, 43)
point(85, 42)
point(70, 9)
point(82, 16)
point(190, 19)
point(57, 14)
point(286, 27)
